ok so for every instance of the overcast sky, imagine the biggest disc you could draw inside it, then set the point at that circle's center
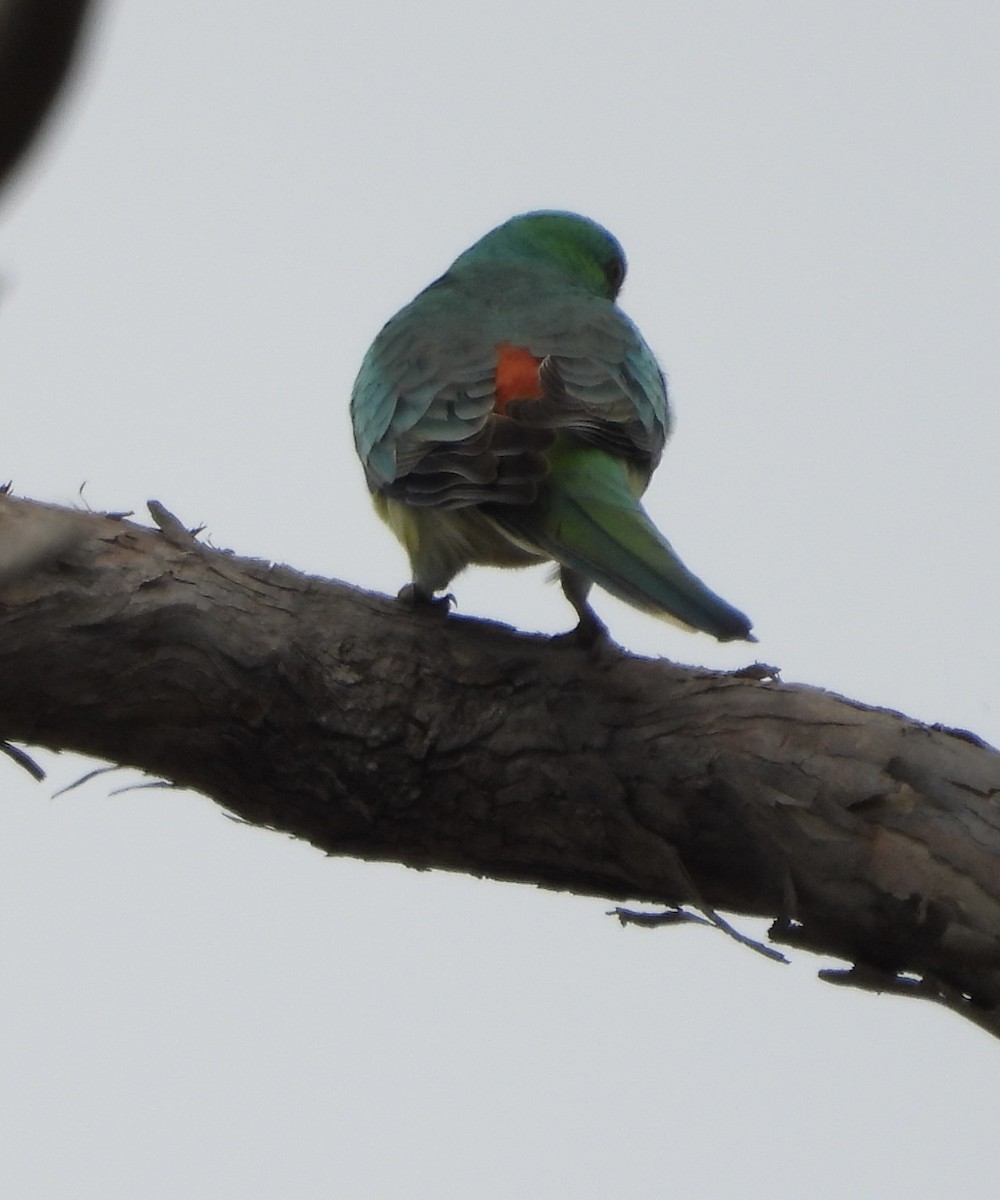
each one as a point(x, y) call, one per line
point(232, 200)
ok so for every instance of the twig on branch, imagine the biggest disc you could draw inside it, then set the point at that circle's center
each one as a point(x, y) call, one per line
point(172, 529)
point(680, 916)
point(368, 730)
point(71, 787)
point(23, 760)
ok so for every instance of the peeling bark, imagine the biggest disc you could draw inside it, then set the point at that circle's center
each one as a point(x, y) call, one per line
point(339, 717)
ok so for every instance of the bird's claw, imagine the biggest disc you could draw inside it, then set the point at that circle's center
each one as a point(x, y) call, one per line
point(416, 598)
point(590, 634)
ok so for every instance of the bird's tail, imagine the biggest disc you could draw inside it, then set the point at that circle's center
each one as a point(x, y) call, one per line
point(590, 521)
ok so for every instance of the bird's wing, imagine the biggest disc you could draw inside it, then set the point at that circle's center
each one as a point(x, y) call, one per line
point(433, 423)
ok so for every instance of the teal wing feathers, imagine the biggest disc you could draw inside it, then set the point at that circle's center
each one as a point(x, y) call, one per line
point(423, 406)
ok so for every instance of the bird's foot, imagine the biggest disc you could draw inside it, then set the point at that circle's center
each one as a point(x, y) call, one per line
point(416, 598)
point(590, 634)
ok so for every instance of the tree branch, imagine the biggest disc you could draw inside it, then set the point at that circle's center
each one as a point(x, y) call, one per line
point(38, 39)
point(341, 718)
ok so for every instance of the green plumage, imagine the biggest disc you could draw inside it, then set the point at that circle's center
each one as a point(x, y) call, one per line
point(474, 461)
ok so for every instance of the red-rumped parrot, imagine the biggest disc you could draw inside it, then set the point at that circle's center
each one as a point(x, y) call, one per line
point(512, 414)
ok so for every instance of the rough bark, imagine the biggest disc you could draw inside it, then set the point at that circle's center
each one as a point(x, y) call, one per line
point(372, 731)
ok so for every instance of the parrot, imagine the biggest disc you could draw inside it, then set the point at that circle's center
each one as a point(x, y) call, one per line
point(513, 414)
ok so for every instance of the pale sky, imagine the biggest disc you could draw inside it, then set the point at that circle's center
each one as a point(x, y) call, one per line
point(232, 200)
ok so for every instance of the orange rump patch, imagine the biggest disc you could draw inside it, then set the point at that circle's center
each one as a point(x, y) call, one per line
point(517, 375)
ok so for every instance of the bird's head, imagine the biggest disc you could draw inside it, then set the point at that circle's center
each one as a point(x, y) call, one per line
point(581, 249)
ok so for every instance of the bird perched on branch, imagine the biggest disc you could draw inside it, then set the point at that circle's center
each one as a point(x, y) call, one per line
point(512, 414)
